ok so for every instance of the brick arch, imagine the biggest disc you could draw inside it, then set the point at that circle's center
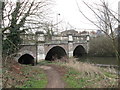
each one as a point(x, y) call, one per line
point(83, 45)
point(25, 55)
point(26, 59)
point(79, 51)
point(55, 52)
point(48, 47)
point(26, 52)
point(26, 49)
point(31, 50)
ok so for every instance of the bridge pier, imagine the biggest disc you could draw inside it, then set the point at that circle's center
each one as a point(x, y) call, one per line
point(87, 48)
point(70, 49)
point(70, 45)
point(40, 52)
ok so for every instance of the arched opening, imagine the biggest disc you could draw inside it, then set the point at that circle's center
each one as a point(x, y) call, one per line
point(56, 52)
point(79, 51)
point(26, 59)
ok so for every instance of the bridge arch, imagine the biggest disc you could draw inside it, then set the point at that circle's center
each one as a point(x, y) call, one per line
point(26, 59)
point(56, 52)
point(79, 51)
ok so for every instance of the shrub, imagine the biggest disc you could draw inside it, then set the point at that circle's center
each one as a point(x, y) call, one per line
point(101, 46)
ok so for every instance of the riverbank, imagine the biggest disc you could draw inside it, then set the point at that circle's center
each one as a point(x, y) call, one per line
point(84, 75)
point(70, 74)
point(99, 60)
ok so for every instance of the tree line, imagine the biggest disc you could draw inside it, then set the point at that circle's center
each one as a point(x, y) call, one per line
point(101, 46)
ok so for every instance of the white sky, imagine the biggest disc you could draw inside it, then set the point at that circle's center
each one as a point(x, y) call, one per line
point(69, 13)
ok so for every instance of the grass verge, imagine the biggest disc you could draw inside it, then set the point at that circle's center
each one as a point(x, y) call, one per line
point(85, 75)
point(16, 75)
point(36, 79)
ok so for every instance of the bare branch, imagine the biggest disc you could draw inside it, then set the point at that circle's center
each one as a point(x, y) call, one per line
point(91, 20)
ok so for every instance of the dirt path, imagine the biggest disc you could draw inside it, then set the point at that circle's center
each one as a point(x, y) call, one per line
point(54, 78)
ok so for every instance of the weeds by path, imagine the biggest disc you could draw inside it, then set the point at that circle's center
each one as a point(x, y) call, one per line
point(16, 75)
point(85, 75)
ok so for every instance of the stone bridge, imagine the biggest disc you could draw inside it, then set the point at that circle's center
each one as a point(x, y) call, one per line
point(36, 47)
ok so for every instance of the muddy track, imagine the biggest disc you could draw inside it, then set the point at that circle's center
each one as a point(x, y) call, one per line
point(54, 78)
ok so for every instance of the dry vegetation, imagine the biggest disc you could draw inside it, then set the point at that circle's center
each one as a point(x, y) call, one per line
point(76, 75)
point(16, 75)
point(93, 76)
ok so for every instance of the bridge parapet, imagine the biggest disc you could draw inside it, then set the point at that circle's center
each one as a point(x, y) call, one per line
point(33, 39)
point(66, 39)
point(28, 39)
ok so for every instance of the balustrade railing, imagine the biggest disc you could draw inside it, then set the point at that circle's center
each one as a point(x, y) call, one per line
point(33, 39)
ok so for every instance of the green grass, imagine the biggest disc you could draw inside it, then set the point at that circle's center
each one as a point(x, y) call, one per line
point(84, 79)
point(49, 62)
point(79, 79)
point(34, 83)
point(70, 79)
point(36, 78)
point(44, 62)
point(73, 80)
point(109, 75)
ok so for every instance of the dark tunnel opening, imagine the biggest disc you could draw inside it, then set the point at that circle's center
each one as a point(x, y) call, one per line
point(79, 52)
point(26, 59)
point(56, 52)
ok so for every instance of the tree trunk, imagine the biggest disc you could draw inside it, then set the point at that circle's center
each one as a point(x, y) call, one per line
point(118, 55)
point(1, 40)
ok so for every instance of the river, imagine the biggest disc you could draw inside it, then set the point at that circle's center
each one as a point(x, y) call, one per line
point(99, 60)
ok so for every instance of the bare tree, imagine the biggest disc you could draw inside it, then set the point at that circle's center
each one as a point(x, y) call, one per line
point(22, 16)
point(106, 20)
point(50, 29)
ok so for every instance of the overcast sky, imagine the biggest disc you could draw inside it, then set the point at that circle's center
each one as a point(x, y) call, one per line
point(69, 13)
